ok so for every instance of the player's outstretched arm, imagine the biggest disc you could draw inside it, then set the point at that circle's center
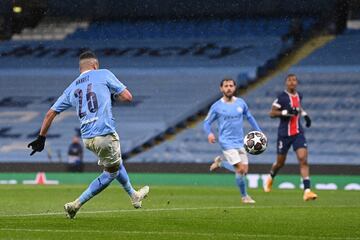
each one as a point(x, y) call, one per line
point(38, 144)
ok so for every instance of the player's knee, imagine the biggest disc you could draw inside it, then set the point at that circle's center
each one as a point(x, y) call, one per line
point(303, 162)
point(112, 169)
point(241, 171)
point(279, 164)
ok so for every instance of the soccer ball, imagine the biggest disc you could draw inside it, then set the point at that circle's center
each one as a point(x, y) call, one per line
point(255, 142)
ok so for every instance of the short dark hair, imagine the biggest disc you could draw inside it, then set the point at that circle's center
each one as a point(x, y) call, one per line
point(289, 76)
point(87, 55)
point(227, 79)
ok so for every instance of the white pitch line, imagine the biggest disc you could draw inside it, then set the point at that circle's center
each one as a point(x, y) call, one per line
point(173, 209)
point(271, 236)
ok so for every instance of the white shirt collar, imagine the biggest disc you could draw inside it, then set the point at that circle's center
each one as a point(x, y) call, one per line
point(291, 93)
point(85, 72)
point(233, 99)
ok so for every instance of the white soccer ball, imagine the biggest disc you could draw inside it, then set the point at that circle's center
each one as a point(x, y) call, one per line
point(255, 142)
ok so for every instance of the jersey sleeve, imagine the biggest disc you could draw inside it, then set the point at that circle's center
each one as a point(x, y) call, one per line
point(62, 103)
point(277, 102)
point(251, 118)
point(210, 118)
point(116, 87)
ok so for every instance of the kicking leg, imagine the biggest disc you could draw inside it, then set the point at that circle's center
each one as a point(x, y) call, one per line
point(123, 178)
point(136, 196)
point(95, 187)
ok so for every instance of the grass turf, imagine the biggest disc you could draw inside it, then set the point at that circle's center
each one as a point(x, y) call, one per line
point(175, 212)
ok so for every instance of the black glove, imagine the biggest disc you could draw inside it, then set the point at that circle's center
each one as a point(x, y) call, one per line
point(293, 111)
point(307, 121)
point(290, 112)
point(37, 145)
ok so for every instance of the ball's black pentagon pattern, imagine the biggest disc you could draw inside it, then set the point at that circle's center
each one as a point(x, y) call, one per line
point(250, 143)
point(255, 142)
point(258, 146)
point(258, 134)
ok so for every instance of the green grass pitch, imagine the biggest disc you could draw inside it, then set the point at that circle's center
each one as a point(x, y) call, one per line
point(176, 212)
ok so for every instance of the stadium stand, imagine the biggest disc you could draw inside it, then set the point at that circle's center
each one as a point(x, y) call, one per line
point(49, 30)
point(329, 80)
point(183, 29)
point(170, 78)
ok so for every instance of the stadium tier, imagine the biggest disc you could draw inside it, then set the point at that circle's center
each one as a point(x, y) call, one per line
point(330, 82)
point(247, 51)
point(184, 29)
point(170, 78)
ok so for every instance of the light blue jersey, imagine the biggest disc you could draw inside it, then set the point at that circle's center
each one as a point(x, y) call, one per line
point(91, 93)
point(229, 117)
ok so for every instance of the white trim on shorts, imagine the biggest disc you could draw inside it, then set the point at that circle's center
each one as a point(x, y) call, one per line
point(234, 156)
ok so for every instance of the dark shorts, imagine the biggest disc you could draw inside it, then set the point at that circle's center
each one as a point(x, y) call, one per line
point(284, 143)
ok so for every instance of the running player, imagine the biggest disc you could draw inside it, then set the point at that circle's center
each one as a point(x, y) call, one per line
point(91, 94)
point(229, 112)
point(288, 108)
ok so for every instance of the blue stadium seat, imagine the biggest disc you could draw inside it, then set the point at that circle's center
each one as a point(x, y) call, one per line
point(166, 88)
point(330, 82)
point(185, 29)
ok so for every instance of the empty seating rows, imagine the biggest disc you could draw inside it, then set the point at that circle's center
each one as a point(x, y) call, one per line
point(161, 99)
point(330, 96)
point(184, 29)
point(333, 138)
point(170, 78)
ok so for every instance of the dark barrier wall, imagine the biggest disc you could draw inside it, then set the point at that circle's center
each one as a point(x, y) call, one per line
point(138, 9)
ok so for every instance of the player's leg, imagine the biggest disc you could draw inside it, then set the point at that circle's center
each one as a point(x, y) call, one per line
point(99, 183)
point(283, 145)
point(103, 147)
point(220, 163)
point(95, 187)
point(135, 196)
point(238, 160)
point(280, 162)
point(240, 175)
point(301, 154)
point(300, 147)
point(123, 178)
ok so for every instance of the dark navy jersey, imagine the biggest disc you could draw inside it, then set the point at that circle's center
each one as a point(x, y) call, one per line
point(289, 126)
